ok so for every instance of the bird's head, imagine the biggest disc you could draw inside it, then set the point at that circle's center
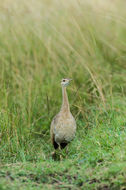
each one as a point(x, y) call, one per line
point(65, 82)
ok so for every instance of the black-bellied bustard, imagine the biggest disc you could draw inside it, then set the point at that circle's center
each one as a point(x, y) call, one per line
point(63, 125)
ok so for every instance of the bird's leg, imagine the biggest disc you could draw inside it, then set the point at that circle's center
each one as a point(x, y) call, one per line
point(66, 151)
point(53, 154)
point(61, 158)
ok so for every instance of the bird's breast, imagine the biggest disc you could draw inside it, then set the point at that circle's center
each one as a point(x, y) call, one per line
point(65, 130)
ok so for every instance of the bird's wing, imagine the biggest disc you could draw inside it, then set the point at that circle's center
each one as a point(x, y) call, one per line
point(53, 123)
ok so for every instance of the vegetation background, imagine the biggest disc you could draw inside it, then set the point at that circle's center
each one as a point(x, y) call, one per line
point(42, 42)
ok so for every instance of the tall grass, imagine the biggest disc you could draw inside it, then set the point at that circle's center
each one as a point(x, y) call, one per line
point(44, 41)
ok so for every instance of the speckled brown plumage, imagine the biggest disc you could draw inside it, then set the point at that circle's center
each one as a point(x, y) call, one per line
point(63, 126)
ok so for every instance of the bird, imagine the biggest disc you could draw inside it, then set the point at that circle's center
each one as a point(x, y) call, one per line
point(63, 125)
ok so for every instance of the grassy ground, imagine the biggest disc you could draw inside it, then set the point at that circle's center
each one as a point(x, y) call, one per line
point(42, 42)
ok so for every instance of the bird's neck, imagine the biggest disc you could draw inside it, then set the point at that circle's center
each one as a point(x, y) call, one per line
point(65, 104)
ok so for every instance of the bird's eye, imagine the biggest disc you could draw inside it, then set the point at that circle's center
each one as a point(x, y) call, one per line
point(63, 80)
